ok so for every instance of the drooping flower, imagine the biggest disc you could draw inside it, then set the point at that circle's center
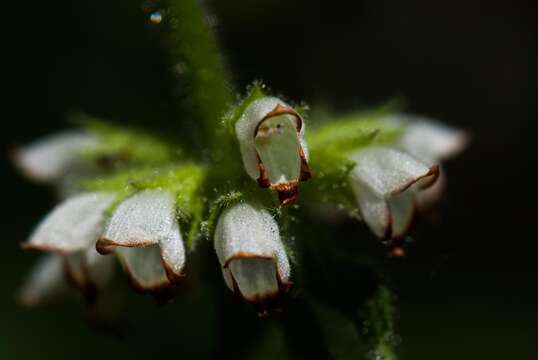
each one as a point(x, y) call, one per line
point(384, 181)
point(390, 183)
point(71, 230)
point(251, 253)
point(73, 225)
point(51, 158)
point(144, 233)
point(274, 152)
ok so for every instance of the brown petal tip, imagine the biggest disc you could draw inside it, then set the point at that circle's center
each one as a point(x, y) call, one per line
point(172, 276)
point(281, 110)
point(43, 247)
point(396, 251)
point(426, 180)
point(263, 180)
point(432, 177)
point(104, 246)
point(269, 304)
point(305, 169)
point(287, 193)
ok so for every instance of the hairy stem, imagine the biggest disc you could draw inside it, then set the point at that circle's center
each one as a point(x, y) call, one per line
point(202, 84)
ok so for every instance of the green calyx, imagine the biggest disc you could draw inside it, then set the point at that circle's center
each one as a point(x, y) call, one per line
point(118, 146)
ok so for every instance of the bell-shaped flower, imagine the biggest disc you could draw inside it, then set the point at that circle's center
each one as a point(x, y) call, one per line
point(144, 233)
point(51, 158)
point(274, 152)
point(384, 181)
point(71, 230)
point(251, 253)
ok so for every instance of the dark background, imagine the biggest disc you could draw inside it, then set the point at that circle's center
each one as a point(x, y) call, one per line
point(468, 288)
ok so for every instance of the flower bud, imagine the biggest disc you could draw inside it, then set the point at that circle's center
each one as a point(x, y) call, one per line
point(274, 152)
point(250, 251)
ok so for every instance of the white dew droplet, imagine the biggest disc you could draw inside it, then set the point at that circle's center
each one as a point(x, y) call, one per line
point(156, 17)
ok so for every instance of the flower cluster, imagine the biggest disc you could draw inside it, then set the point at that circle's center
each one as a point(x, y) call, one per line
point(145, 204)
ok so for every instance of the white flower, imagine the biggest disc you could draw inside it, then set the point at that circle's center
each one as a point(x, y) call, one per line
point(71, 230)
point(384, 181)
point(52, 157)
point(250, 251)
point(389, 184)
point(144, 232)
point(274, 152)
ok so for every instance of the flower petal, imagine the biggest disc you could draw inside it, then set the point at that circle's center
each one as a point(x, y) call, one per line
point(144, 219)
point(428, 138)
point(173, 253)
point(50, 158)
point(402, 210)
point(388, 171)
point(228, 278)
point(388, 218)
point(99, 268)
point(45, 283)
point(255, 278)
point(278, 147)
point(248, 232)
point(73, 225)
point(76, 273)
point(144, 267)
point(374, 210)
point(428, 197)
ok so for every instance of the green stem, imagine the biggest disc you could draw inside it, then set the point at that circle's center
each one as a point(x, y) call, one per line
point(202, 84)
